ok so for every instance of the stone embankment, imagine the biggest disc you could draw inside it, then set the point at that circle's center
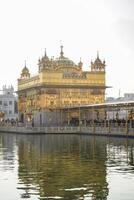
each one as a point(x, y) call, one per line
point(102, 131)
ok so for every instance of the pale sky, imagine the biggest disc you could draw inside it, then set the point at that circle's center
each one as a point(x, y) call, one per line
point(27, 27)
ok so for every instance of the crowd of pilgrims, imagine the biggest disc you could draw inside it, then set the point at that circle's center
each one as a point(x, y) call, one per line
point(75, 122)
point(12, 122)
point(104, 122)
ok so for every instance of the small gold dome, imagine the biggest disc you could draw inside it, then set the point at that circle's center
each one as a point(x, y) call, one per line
point(25, 72)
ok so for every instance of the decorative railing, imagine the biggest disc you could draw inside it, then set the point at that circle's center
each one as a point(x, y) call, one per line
point(99, 130)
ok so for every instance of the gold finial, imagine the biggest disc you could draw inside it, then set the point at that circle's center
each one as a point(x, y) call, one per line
point(97, 54)
point(80, 63)
point(25, 63)
point(61, 52)
point(45, 53)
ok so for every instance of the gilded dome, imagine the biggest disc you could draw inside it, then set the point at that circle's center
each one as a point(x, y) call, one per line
point(98, 61)
point(98, 65)
point(64, 61)
point(25, 72)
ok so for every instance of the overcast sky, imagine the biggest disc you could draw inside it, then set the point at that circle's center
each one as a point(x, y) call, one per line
point(27, 27)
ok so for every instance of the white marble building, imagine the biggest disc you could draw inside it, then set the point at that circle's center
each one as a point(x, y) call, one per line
point(121, 113)
point(8, 103)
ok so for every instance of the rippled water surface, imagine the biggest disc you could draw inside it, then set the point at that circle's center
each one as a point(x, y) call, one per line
point(71, 167)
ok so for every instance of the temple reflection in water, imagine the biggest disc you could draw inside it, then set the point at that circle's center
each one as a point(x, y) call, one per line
point(63, 166)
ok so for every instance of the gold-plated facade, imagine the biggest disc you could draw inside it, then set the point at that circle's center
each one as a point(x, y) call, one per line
point(61, 83)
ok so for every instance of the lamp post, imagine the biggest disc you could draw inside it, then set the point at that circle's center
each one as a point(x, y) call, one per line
point(29, 116)
point(105, 118)
point(61, 120)
point(85, 118)
point(79, 118)
point(127, 130)
point(2, 114)
point(68, 120)
point(130, 117)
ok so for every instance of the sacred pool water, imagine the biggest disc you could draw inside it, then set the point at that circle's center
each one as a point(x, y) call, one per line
point(70, 167)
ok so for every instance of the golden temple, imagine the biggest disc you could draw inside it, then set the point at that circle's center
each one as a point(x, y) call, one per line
point(60, 83)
